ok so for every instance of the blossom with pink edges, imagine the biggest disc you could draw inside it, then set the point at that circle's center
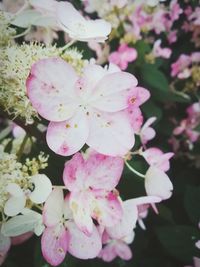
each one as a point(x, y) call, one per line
point(158, 51)
point(91, 108)
point(91, 182)
point(123, 56)
point(62, 234)
point(155, 157)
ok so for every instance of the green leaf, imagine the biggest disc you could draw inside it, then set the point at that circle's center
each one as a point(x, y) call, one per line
point(179, 241)
point(150, 109)
point(191, 202)
point(197, 128)
point(154, 78)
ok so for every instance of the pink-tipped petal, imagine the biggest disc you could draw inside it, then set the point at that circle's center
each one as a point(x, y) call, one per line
point(111, 134)
point(74, 173)
point(54, 244)
point(108, 211)
point(81, 245)
point(50, 88)
point(138, 95)
point(67, 137)
point(113, 98)
point(123, 251)
point(103, 172)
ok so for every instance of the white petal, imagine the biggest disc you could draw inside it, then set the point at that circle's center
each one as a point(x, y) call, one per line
point(14, 205)
point(15, 190)
point(42, 190)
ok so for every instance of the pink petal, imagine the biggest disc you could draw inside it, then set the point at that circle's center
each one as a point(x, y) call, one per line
point(128, 221)
point(110, 134)
point(81, 245)
point(108, 253)
point(81, 206)
point(53, 208)
point(108, 210)
point(5, 244)
point(103, 172)
point(50, 88)
point(67, 137)
point(74, 175)
point(138, 95)
point(112, 91)
point(123, 251)
point(135, 118)
point(54, 244)
point(17, 240)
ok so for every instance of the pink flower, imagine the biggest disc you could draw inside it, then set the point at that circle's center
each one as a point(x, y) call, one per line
point(175, 10)
point(155, 157)
point(147, 133)
point(123, 56)
point(180, 67)
point(91, 182)
point(172, 37)
point(158, 51)
point(117, 238)
point(62, 235)
point(83, 109)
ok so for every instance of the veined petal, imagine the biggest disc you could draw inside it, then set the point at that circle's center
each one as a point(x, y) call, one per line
point(14, 205)
point(74, 173)
point(103, 172)
point(42, 188)
point(54, 244)
point(108, 210)
point(81, 206)
point(110, 134)
point(50, 88)
point(53, 208)
point(81, 245)
point(67, 137)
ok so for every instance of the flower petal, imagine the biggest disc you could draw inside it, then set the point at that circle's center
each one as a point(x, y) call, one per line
point(5, 243)
point(111, 93)
point(81, 206)
point(111, 134)
point(81, 245)
point(42, 188)
point(157, 183)
point(123, 251)
point(108, 210)
point(53, 208)
point(108, 253)
point(14, 205)
point(103, 172)
point(127, 222)
point(54, 244)
point(50, 88)
point(74, 175)
point(20, 224)
point(67, 137)
point(14, 190)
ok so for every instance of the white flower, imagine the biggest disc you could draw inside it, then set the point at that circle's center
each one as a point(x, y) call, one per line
point(37, 190)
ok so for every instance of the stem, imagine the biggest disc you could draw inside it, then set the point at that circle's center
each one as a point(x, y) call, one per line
point(23, 33)
point(21, 149)
point(134, 171)
point(67, 45)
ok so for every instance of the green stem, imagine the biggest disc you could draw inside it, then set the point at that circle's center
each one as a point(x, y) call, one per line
point(23, 33)
point(134, 171)
point(67, 45)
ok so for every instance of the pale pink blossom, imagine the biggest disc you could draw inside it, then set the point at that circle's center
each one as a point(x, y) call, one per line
point(155, 157)
point(180, 67)
point(147, 133)
point(172, 37)
point(91, 182)
point(158, 51)
point(91, 108)
point(123, 56)
point(62, 235)
point(157, 183)
point(175, 10)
